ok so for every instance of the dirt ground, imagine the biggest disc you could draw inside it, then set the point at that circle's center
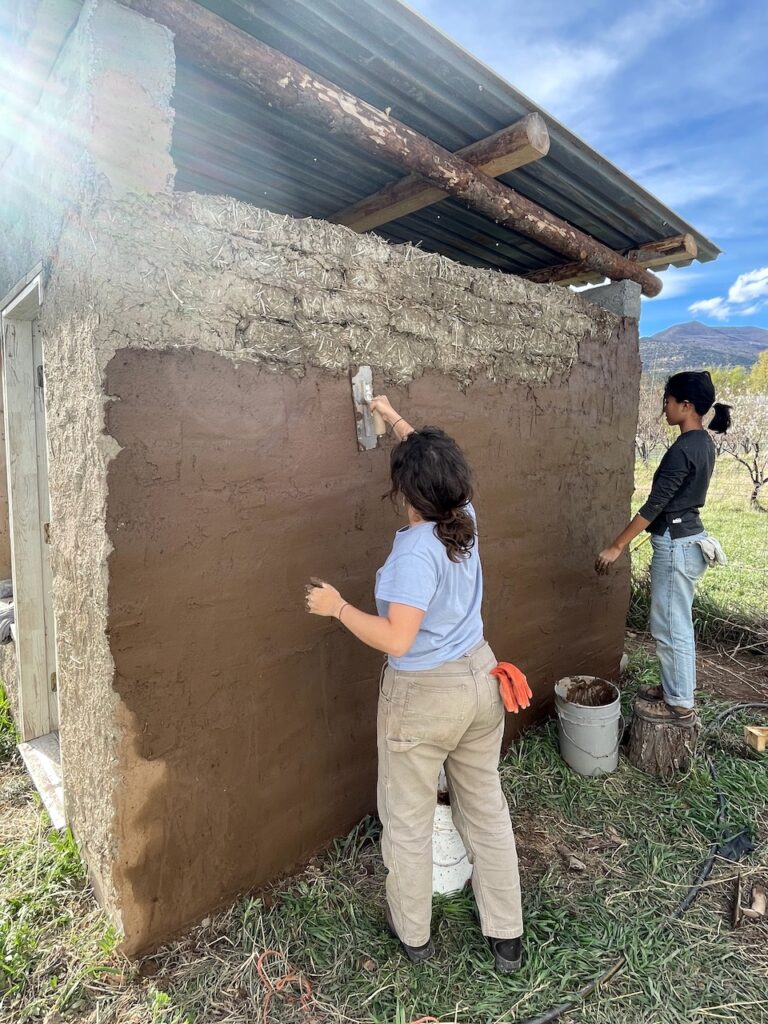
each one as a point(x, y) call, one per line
point(729, 675)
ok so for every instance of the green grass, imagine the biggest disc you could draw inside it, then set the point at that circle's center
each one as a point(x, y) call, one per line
point(731, 601)
point(9, 737)
point(53, 938)
point(640, 839)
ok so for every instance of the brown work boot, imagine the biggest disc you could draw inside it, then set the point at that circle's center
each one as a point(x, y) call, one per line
point(681, 713)
point(660, 711)
point(650, 693)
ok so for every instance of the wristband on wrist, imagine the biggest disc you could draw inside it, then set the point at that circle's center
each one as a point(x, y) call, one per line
point(338, 613)
point(399, 420)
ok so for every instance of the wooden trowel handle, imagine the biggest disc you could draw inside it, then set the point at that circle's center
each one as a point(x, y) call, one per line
point(379, 423)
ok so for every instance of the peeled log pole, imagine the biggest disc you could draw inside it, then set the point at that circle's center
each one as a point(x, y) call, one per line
point(678, 249)
point(220, 47)
point(522, 143)
point(659, 746)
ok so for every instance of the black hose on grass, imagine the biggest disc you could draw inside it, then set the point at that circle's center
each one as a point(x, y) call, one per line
point(703, 874)
point(580, 996)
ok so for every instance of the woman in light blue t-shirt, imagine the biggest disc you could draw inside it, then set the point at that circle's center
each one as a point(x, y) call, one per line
point(439, 705)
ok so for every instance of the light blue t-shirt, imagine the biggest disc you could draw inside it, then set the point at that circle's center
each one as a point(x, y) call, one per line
point(419, 573)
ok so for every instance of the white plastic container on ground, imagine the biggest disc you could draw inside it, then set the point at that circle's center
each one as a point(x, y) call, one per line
point(451, 869)
point(589, 736)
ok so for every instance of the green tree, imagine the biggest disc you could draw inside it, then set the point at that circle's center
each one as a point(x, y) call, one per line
point(758, 377)
point(729, 380)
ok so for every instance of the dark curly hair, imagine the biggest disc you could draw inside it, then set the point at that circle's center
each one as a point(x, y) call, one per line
point(430, 471)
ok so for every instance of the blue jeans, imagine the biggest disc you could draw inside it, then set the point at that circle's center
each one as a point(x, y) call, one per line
point(675, 567)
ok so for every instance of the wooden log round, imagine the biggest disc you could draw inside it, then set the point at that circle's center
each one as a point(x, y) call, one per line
point(659, 746)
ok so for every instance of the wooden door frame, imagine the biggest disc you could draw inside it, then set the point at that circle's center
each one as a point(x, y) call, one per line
point(26, 462)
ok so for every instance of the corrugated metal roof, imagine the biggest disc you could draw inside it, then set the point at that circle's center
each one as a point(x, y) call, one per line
point(225, 141)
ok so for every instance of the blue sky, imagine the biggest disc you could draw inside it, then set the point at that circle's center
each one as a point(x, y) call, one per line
point(675, 92)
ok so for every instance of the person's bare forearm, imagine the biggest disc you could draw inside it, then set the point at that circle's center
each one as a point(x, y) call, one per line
point(393, 633)
point(401, 428)
point(608, 556)
point(628, 534)
point(374, 630)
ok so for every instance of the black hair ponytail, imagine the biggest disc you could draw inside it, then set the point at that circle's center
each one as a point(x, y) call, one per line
point(721, 421)
point(696, 387)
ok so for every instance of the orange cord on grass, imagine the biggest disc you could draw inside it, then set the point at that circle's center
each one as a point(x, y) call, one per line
point(277, 987)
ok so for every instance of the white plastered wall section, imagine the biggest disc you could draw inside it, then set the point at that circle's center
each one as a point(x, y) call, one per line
point(102, 128)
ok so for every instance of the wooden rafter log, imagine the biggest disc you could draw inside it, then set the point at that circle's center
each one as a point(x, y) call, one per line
point(678, 250)
point(215, 44)
point(675, 249)
point(522, 143)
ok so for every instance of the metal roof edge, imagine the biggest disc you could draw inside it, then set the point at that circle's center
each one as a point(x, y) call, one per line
point(622, 178)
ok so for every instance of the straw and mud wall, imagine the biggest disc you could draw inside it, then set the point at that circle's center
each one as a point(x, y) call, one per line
point(200, 402)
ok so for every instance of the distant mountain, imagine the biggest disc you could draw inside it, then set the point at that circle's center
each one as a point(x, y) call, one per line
point(694, 345)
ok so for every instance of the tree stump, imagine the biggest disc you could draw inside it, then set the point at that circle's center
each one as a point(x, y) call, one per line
point(659, 746)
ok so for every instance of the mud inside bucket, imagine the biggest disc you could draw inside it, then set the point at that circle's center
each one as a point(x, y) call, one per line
point(589, 723)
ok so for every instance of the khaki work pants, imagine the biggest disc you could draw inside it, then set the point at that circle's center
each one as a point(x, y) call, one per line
point(453, 715)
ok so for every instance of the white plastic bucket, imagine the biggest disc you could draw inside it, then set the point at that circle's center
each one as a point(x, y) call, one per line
point(450, 865)
point(589, 736)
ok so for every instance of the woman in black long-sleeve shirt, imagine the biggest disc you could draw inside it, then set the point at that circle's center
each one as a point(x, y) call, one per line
point(672, 517)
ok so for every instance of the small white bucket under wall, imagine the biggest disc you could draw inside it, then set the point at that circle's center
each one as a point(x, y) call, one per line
point(451, 869)
point(590, 732)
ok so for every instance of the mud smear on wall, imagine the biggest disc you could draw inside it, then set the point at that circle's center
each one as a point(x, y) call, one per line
point(250, 725)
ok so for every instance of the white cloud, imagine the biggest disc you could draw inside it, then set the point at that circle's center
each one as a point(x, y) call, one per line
point(747, 295)
point(715, 309)
point(750, 286)
point(554, 62)
point(678, 188)
point(676, 282)
point(554, 73)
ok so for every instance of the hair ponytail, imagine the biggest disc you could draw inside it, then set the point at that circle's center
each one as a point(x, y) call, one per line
point(457, 533)
point(721, 421)
point(430, 471)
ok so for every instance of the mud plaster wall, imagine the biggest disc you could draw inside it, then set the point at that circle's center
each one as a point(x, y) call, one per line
point(102, 126)
point(209, 341)
point(101, 129)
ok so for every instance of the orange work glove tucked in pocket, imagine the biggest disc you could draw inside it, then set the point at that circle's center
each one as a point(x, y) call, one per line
point(513, 686)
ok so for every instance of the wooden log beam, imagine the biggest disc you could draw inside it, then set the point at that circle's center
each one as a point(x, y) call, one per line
point(677, 249)
point(522, 143)
point(214, 44)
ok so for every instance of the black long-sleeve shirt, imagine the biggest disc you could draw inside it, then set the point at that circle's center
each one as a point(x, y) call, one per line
point(680, 486)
